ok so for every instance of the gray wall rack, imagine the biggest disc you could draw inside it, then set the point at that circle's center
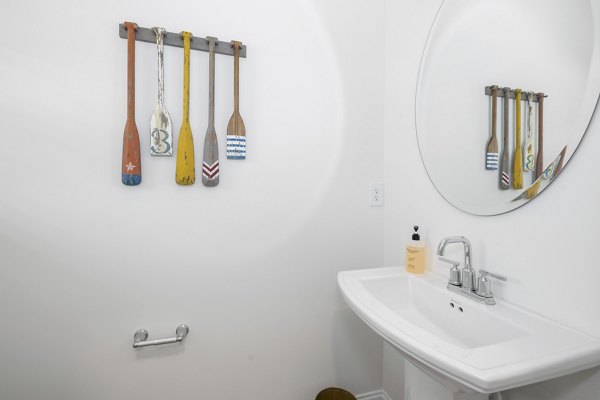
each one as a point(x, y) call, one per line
point(511, 93)
point(175, 40)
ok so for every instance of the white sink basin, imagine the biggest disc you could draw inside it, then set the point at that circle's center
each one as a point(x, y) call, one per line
point(482, 348)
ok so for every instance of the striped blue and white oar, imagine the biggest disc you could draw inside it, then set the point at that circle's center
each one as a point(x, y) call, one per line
point(236, 131)
point(491, 156)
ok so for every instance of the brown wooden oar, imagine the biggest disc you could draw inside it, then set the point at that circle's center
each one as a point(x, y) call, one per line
point(236, 131)
point(131, 165)
point(539, 161)
point(529, 144)
point(210, 162)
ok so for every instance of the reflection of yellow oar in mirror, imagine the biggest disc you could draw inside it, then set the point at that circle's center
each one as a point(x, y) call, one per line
point(546, 177)
point(517, 180)
point(491, 156)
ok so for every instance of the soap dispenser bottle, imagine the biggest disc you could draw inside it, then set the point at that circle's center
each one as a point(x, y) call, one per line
point(415, 253)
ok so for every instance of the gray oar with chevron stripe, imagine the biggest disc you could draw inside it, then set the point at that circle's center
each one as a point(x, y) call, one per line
point(210, 162)
point(505, 160)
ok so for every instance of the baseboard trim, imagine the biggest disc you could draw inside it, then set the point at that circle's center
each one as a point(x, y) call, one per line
point(375, 395)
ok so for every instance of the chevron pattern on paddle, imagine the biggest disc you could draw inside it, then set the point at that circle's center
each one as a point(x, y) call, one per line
point(210, 171)
point(505, 178)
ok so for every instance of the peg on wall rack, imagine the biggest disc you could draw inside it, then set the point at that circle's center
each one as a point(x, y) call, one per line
point(532, 96)
point(175, 40)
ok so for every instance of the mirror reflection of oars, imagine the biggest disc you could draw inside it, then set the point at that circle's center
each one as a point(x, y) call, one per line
point(549, 174)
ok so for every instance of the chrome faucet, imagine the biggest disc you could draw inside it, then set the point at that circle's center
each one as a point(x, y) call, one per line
point(467, 279)
point(463, 282)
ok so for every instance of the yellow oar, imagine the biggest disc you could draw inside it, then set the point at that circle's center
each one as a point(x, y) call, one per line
point(518, 157)
point(185, 172)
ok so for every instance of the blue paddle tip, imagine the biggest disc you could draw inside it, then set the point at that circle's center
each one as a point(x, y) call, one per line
point(131, 180)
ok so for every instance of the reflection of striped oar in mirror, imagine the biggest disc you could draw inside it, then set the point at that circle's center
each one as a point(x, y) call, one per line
point(549, 174)
point(491, 156)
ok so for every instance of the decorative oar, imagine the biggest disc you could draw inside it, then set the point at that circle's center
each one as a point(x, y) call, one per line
point(210, 163)
point(518, 156)
point(550, 173)
point(161, 131)
point(560, 164)
point(236, 131)
point(555, 167)
point(131, 164)
point(539, 161)
point(529, 143)
point(491, 157)
point(185, 173)
point(505, 160)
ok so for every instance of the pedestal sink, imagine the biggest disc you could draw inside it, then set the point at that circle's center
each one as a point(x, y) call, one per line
point(469, 346)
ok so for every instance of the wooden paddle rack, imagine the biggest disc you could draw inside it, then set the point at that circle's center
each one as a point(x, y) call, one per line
point(511, 93)
point(174, 39)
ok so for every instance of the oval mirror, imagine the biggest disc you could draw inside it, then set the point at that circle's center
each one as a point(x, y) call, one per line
point(539, 46)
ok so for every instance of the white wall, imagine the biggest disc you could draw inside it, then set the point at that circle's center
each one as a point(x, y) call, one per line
point(249, 265)
point(547, 248)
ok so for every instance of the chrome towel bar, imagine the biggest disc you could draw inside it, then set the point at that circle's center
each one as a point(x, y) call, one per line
point(140, 336)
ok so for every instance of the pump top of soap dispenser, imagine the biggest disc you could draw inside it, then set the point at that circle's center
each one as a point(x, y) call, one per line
point(416, 236)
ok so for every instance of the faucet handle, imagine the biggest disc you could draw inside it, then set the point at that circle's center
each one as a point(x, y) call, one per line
point(454, 271)
point(492, 275)
point(484, 285)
